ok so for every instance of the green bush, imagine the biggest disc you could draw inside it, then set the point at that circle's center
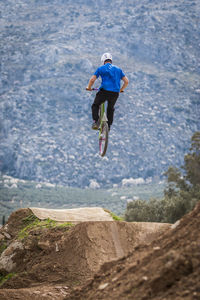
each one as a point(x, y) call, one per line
point(144, 211)
point(167, 210)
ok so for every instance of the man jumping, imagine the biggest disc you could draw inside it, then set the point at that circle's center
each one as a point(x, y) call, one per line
point(109, 90)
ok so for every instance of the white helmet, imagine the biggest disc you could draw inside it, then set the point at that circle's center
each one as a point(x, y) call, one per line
point(105, 57)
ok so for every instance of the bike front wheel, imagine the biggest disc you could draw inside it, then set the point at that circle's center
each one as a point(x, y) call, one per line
point(103, 139)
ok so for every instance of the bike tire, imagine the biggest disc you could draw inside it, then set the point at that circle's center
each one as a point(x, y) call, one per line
point(103, 139)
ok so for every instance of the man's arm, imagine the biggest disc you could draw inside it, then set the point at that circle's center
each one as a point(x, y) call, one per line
point(91, 82)
point(125, 80)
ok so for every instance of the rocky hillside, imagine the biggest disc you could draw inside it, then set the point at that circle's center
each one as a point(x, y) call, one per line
point(49, 49)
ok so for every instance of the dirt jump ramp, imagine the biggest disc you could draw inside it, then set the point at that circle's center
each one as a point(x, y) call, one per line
point(72, 215)
point(120, 236)
point(67, 257)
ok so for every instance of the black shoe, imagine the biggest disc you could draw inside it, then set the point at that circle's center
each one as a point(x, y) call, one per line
point(95, 126)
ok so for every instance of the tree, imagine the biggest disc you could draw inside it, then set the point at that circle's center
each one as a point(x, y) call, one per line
point(186, 184)
point(192, 162)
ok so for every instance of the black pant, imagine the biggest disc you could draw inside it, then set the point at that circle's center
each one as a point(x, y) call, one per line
point(100, 98)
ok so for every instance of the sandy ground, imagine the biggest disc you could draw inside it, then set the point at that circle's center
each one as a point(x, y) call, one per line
point(72, 215)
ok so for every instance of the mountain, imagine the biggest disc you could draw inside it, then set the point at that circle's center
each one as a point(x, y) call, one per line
point(49, 50)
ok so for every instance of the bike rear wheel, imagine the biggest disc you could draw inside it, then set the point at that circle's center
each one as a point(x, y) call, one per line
point(103, 139)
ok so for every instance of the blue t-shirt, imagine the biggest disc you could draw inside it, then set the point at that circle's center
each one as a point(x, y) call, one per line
point(111, 76)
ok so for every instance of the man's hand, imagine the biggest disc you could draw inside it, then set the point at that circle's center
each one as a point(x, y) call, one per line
point(88, 89)
point(121, 91)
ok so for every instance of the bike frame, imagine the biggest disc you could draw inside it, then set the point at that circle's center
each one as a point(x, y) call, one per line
point(103, 129)
point(103, 116)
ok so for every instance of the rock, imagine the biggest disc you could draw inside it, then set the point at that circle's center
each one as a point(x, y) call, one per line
point(156, 248)
point(44, 245)
point(5, 227)
point(12, 247)
point(145, 278)
point(114, 279)
point(6, 260)
point(103, 286)
point(175, 224)
point(36, 292)
point(7, 235)
point(57, 249)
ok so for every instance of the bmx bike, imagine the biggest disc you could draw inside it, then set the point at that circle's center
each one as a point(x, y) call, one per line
point(103, 129)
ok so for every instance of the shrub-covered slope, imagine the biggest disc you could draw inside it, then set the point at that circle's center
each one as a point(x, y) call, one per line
point(49, 49)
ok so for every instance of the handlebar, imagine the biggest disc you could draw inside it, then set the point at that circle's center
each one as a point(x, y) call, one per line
point(96, 89)
point(93, 89)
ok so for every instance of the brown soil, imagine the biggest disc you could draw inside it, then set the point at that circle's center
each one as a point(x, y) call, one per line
point(167, 269)
point(102, 260)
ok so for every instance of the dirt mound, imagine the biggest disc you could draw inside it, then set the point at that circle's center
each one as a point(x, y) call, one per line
point(167, 269)
point(45, 258)
point(15, 222)
point(99, 260)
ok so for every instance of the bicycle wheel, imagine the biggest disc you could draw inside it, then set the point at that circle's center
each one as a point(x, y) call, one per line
point(103, 139)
